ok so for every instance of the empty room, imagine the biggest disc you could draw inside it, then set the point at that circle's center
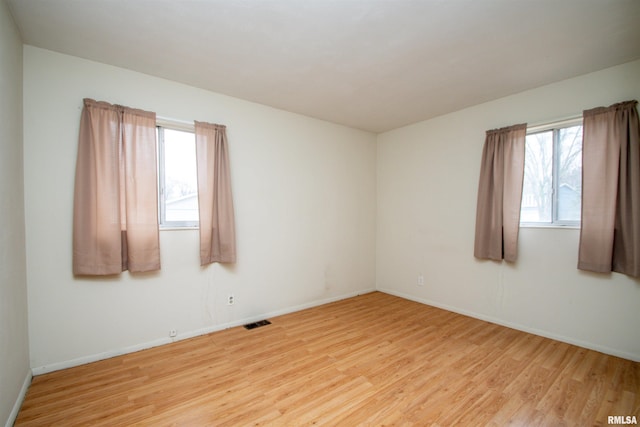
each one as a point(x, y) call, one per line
point(319, 212)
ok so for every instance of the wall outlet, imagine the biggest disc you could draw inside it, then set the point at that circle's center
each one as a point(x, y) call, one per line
point(420, 281)
point(230, 299)
point(173, 333)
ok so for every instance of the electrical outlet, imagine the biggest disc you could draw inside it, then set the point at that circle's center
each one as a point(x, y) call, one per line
point(230, 299)
point(173, 333)
point(420, 281)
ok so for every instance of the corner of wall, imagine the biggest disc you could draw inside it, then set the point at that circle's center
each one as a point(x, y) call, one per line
point(14, 351)
point(13, 415)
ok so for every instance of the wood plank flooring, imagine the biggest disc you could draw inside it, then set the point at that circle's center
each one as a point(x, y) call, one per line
point(370, 360)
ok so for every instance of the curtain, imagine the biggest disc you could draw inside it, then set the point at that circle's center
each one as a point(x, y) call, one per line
point(500, 194)
point(115, 225)
point(610, 227)
point(217, 226)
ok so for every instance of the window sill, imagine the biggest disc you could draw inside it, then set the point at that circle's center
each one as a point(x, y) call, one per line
point(556, 226)
point(178, 228)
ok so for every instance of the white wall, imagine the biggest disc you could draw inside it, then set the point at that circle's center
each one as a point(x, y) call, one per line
point(427, 188)
point(14, 341)
point(308, 220)
point(304, 193)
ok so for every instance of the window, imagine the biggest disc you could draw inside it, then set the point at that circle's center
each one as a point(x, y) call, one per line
point(177, 176)
point(552, 188)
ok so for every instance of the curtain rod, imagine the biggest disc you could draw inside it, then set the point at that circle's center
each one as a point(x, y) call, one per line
point(169, 122)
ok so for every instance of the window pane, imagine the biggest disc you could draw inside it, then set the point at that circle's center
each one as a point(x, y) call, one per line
point(537, 187)
point(569, 173)
point(181, 183)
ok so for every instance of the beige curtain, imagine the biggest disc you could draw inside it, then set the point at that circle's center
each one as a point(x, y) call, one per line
point(115, 226)
point(610, 228)
point(500, 194)
point(217, 225)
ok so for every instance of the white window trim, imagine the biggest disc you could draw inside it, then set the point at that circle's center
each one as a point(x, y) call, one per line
point(561, 123)
point(175, 124)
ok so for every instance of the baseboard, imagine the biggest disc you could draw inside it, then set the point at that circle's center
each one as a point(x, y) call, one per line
point(276, 313)
point(189, 334)
point(18, 403)
point(517, 326)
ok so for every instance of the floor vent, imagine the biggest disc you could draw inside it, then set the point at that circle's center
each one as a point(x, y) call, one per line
point(257, 324)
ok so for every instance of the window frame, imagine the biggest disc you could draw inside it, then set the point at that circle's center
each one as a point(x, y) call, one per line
point(163, 224)
point(555, 127)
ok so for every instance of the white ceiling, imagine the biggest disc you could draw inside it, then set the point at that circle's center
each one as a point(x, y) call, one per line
point(369, 64)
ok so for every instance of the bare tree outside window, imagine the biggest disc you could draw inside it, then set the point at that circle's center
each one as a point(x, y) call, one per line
point(552, 185)
point(538, 170)
point(569, 173)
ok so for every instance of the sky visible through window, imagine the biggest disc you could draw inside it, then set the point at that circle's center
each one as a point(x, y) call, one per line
point(181, 184)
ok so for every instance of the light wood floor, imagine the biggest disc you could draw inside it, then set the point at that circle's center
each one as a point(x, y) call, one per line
point(370, 360)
